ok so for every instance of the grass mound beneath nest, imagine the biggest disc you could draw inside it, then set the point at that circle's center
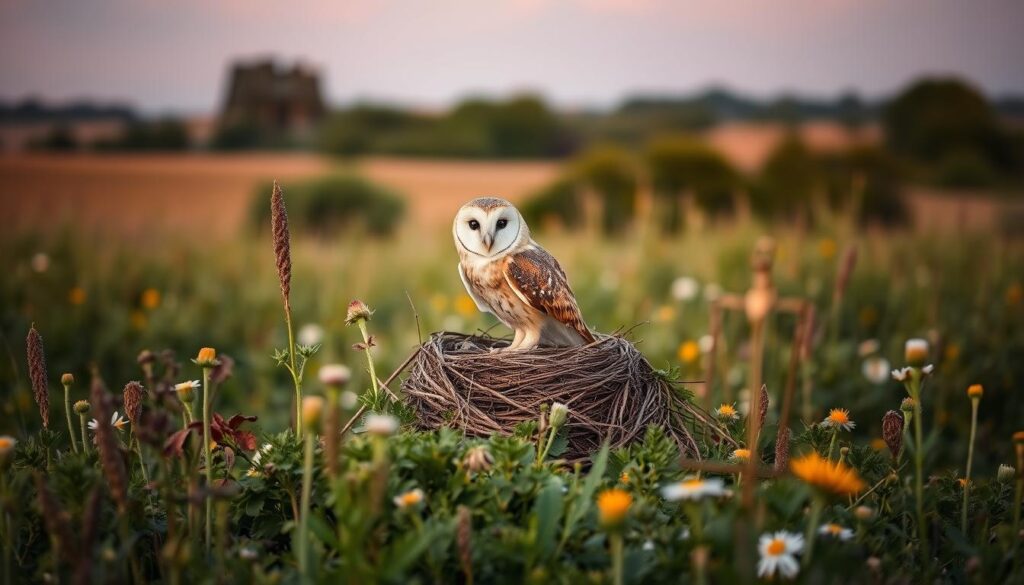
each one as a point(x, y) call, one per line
point(612, 392)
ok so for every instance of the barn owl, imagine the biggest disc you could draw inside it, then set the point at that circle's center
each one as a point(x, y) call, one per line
point(508, 274)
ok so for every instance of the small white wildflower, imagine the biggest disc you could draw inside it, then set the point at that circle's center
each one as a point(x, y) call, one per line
point(836, 531)
point(334, 374)
point(778, 554)
point(381, 425)
point(310, 334)
point(685, 288)
point(876, 369)
point(693, 488)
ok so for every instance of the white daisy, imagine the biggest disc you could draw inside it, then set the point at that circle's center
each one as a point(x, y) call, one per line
point(901, 374)
point(693, 488)
point(310, 334)
point(334, 374)
point(778, 552)
point(193, 384)
point(928, 369)
point(685, 288)
point(115, 421)
point(382, 425)
point(836, 531)
point(256, 470)
point(875, 369)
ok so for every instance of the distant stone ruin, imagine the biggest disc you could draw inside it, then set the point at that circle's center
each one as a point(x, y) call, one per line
point(263, 95)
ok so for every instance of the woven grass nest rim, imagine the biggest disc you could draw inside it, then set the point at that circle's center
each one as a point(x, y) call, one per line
point(613, 393)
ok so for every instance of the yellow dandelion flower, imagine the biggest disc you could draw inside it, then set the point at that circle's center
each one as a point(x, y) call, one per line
point(1014, 294)
point(688, 352)
point(76, 296)
point(465, 306)
point(834, 478)
point(150, 299)
point(839, 418)
point(741, 455)
point(665, 313)
point(438, 303)
point(827, 248)
point(727, 412)
point(612, 505)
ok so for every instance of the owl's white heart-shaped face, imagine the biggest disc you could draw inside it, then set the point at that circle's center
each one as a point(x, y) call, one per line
point(488, 227)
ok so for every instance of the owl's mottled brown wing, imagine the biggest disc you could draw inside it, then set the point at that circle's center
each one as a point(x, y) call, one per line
point(536, 277)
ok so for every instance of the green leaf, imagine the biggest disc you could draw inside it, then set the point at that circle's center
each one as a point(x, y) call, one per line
point(547, 512)
point(584, 499)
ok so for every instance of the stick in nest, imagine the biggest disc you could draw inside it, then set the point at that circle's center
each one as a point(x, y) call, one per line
point(612, 392)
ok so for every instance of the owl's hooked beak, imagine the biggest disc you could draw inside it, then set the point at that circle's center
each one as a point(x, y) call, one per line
point(488, 241)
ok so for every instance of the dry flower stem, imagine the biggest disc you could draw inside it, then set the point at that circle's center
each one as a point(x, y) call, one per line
point(67, 414)
point(970, 459)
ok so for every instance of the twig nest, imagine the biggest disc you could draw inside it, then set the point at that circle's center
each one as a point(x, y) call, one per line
point(611, 390)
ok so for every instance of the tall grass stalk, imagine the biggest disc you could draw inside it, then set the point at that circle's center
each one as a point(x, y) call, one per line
point(283, 258)
point(970, 459)
point(208, 459)
point(67, 380)
point(307, 490)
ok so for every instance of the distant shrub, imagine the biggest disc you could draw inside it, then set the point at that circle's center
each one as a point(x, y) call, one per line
point(679, 165)
point(610, 173)
point(168, 134)
point(881, 178)
point(965, 169)
point(333, 204)
point(556, 202)
point(787, 182)
point(57, 139)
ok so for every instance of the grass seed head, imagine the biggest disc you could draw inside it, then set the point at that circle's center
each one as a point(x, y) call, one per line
point(133, 402)
point(892, 431)
point(37, 373)
point(282, 244)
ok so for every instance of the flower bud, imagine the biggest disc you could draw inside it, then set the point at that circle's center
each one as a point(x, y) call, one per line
point(146, 357)
point(381, 425)
point(559, 414)
point(312, 412)
point(67, 379)
point(334, 375)
point(478, 459)
point(907, 406)
point(864, 513)
point(357, 312)
point(916, 352)
point(613, 505)
point(186, 391)
point(207, 357)
point(7, 444)
point(892, 431)
point(1006, 473)
point(82, 407)
point(975, 391)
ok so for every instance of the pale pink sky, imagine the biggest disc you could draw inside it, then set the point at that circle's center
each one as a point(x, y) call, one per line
point(172, 55)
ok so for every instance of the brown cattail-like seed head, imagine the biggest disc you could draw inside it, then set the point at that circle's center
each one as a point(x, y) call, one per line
point(107, 445)
point(37, 373)
point(763, 412)
point(133, 402)
point(782, 451)
point(464, 541)
point(282, 245)
point(892, 431)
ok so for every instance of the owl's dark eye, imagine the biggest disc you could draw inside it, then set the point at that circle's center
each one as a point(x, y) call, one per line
point(474, 224)
point(502, 223)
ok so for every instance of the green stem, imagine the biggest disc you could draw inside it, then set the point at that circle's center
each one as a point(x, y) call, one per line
point(8, 543)
point(970, 459)
point(307, 489)
point(812, 527)
point(85, 434)
point(208, 458)
point(67, 413)
point(189, 417)
point(696, 522)
point(547, 447)
point(293, 369)
point(616, 545)
point(142, 461)
point(922, 525)
point(832, 443)
point(369, 362)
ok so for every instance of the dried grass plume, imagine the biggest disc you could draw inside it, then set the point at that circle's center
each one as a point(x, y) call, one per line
point(37, 373)
point(282, 245)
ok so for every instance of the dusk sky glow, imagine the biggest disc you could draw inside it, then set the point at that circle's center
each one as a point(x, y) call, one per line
point(172, 56)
